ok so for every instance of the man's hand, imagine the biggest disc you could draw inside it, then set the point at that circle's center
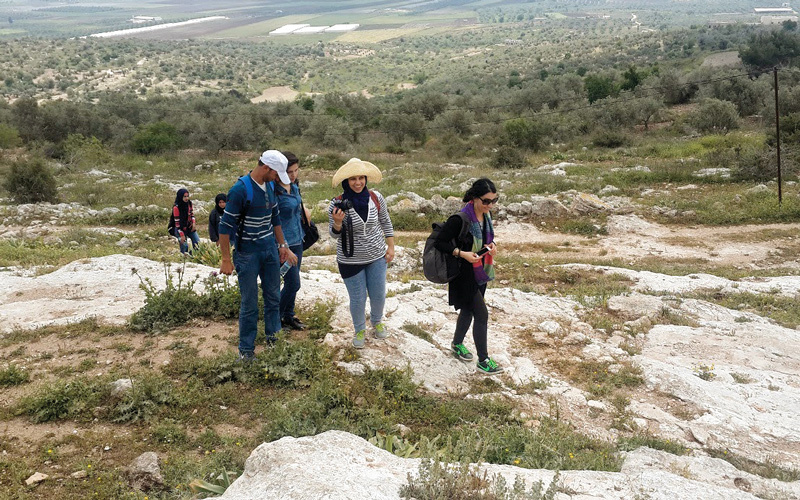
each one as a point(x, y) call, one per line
point(286, 254)
point(226, 264)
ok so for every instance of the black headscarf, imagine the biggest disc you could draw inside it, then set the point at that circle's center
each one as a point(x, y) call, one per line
point(183, 206)
point(360, 200)
point(220, 197)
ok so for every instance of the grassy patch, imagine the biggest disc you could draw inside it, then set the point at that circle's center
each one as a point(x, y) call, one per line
point(630, 443)
point(416, 330)
point(784, 310)
point(438, 481)
point(769, 469)
point(741, 378)
point(600, 379)
point(13, 375)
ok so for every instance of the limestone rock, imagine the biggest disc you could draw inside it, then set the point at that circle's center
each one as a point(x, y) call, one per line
point(120, 386)
point(36, 478)
point(144, 473)
point(336, 465)
point(542, 206)
point(587, 203)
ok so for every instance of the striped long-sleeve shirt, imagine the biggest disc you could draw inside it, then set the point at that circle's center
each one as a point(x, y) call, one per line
point(369, 237)
point(259, 220)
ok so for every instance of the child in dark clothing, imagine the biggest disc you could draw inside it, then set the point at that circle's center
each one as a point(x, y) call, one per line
point(215, 216)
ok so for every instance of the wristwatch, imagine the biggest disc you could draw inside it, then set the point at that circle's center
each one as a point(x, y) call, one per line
point(283, 245)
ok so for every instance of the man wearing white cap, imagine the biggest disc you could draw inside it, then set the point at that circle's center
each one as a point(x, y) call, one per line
point(260, 248)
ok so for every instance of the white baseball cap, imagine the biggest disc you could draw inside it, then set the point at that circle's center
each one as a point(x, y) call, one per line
point(277, 162)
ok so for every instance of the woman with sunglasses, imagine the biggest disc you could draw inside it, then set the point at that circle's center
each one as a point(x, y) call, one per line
point(475, 253)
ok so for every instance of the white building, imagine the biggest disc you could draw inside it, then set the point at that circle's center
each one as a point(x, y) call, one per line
point(288, 28)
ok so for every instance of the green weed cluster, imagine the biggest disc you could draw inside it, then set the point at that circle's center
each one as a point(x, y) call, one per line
point(768, 469)
point(437, 481)
point(13, 375)
point(599, 378)
point(177, 303)
point(86, 398)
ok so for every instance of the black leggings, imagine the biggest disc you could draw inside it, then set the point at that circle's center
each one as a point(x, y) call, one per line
point(475, 309)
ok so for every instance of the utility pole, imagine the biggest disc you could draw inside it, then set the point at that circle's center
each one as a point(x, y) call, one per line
point(778, 137)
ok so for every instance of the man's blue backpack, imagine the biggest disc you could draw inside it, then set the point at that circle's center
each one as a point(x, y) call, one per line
point(248, 188)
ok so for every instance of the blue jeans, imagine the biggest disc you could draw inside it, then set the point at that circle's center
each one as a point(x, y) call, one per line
point(185, 244)
point(291, 284)
point(264, 264)
point(370, 281)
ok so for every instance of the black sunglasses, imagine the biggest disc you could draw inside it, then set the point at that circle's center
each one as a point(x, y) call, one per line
point(487, 201)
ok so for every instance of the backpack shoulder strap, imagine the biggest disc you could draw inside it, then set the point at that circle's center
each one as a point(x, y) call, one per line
point(464, 224)
point(375, 199)
point(248, 189)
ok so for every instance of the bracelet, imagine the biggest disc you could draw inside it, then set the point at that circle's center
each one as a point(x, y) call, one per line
point(459, 252)
point(283, 245)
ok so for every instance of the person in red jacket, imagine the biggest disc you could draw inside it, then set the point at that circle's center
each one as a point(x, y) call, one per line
point(183, 221)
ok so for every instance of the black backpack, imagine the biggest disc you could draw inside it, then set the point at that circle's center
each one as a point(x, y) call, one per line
point(440, 267)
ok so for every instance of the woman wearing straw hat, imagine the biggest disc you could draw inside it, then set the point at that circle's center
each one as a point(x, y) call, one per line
point(359, 220)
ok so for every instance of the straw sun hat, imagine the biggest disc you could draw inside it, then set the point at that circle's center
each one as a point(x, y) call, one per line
point(355, 167)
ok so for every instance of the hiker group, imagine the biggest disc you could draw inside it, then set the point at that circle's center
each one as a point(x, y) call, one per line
point(263, 218)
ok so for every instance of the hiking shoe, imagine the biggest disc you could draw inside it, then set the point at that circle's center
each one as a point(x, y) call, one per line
point(380, 331)
point(358, 340)
point(460, 352)
point(489, 367)
point(246, 357)
point(292, 323)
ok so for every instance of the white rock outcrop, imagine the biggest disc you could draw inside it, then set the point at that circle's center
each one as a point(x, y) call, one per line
point(336, 465)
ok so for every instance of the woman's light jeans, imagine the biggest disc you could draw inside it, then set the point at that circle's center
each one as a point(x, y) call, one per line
point(371, 281)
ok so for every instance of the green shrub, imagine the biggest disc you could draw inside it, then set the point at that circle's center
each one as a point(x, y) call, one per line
point(213, 371)
point(610, 139)
point(325, 406)
point(167, 308)
point(318, 318)
point(221, 298)
point(31, 182)
point(9, 137)
point(714, 115)
point(143, 217)
point(156, 138)
point(437, 481)
point(12, 375)
point(207, 254)
point(524, 133)
point(144, 399)
point(294, 363)
point(324, 162)
point(508, 157)
point(61, 400)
